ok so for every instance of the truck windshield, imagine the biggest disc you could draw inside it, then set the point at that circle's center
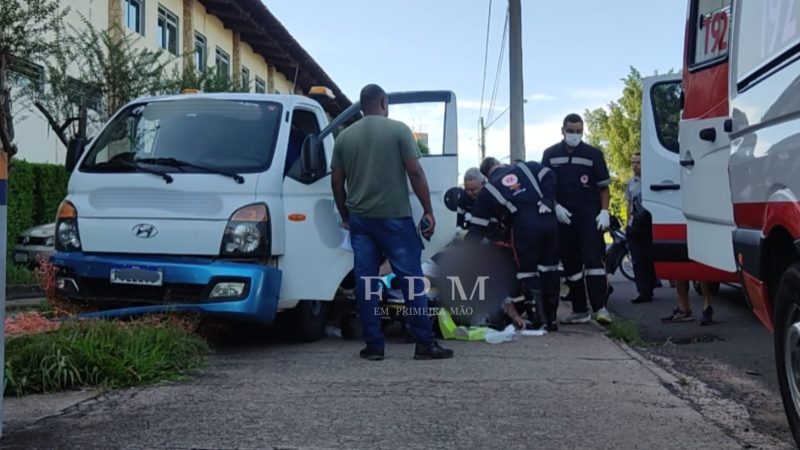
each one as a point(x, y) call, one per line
point(235, 136)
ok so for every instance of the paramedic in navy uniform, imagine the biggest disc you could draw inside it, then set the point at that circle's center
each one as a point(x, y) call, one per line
point(582, 211)
point(523, 195)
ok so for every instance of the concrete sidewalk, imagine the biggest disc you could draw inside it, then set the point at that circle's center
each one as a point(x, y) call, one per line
point(575, 388)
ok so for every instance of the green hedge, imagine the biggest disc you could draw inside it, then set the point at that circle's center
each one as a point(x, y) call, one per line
point(34, 192)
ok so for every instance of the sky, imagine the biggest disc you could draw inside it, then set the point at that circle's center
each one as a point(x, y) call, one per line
point(575, 55)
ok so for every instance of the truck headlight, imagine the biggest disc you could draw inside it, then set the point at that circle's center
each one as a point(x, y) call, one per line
point(67, 238)
point(247, 232)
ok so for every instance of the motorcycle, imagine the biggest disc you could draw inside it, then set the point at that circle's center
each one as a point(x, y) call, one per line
point(618, 255)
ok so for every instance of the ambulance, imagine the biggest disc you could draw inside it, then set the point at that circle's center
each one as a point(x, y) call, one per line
point(734, 172)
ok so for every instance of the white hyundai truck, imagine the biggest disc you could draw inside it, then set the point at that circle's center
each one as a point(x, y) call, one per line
point(221, 204)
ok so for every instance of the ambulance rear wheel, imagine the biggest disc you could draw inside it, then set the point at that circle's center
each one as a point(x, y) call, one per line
point(787, 345)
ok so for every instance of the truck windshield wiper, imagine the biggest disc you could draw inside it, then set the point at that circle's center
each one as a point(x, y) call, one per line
point(167, 177)
point(172, 162)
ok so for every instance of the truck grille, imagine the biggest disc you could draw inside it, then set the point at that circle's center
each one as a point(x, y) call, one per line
point(100, 289)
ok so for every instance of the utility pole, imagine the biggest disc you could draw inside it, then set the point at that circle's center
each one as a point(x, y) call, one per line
point(517, 124)
point(483, 140)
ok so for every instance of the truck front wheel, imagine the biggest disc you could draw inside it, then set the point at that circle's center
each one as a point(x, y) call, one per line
point(307, 320)
point(787, 345)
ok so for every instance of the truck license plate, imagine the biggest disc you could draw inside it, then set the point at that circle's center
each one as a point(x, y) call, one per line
point(137, 275)
point(21, 257)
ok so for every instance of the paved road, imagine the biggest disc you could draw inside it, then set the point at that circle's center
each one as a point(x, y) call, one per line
point(734, 356)
point(572, 389)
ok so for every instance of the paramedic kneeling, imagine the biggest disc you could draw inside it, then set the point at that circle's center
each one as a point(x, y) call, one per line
point(582, 210)
point(524, 195)
point(473, 183)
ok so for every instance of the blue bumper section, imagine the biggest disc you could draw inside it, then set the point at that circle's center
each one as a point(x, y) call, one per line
point(195, 277)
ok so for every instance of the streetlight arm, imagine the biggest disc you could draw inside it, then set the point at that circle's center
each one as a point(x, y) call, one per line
point(501, 114)
point(498, 116)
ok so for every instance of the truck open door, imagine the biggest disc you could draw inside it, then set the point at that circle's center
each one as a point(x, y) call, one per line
point(705, 145)
point(314, 261)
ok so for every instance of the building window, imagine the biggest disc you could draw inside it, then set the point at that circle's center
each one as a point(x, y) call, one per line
point(27, 74)
point(261, 86)
point(223, 62)
point(200, 52)
point(167, 30)
point(245, 79)
point(81, 93)
point(134, 15)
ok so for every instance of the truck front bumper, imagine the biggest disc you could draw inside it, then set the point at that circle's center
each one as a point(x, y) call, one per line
point(156, 284)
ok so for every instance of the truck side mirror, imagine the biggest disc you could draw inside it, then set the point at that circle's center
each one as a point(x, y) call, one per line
point(312, 158)
point(75, 149)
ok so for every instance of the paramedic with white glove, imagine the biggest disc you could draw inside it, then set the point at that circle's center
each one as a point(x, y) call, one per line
point(582, 212)
point(522, 197)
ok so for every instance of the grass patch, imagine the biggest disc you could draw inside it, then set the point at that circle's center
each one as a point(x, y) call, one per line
point(102, 354)
point(626, 331)
point(17, 275)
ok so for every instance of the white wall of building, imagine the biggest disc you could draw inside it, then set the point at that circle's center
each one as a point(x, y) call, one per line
point(35, 139)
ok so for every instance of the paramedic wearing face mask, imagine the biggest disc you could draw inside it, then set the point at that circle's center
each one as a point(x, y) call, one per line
point(582, 212)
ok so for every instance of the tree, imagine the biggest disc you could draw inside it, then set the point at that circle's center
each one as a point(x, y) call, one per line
point(98, 71)
point(423, 147)
point(617, 129)
point(29, 32)
point(207, 80)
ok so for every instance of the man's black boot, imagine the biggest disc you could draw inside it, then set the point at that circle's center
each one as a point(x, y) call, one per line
point(538, 318)
point(371, 354)
point(643, 298)
point(551, 314)
point(432, 351)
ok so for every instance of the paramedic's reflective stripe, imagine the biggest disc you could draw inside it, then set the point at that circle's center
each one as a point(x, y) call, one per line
point(528, 174)
point(559, 160)
point(461, 210)
point(478, 221)
point(604, 183)
point(542, 173)
point(583, 161)
point(575, 277)
point(523, 275)
point(500, 199)
point(548, 268)
point(596, 272)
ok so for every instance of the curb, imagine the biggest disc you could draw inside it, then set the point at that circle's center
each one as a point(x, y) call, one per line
point(23, 303)
point(728, 415)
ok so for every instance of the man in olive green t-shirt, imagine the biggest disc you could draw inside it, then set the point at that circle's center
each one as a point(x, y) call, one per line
point(371, 161)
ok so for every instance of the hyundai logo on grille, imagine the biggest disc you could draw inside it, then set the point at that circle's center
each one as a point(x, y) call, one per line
point(144, 230)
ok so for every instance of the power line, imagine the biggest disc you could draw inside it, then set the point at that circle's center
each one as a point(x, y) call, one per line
point(499, 68)
point(486, 56)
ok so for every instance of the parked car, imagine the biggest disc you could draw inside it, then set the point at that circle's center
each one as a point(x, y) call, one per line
point(33, 242)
